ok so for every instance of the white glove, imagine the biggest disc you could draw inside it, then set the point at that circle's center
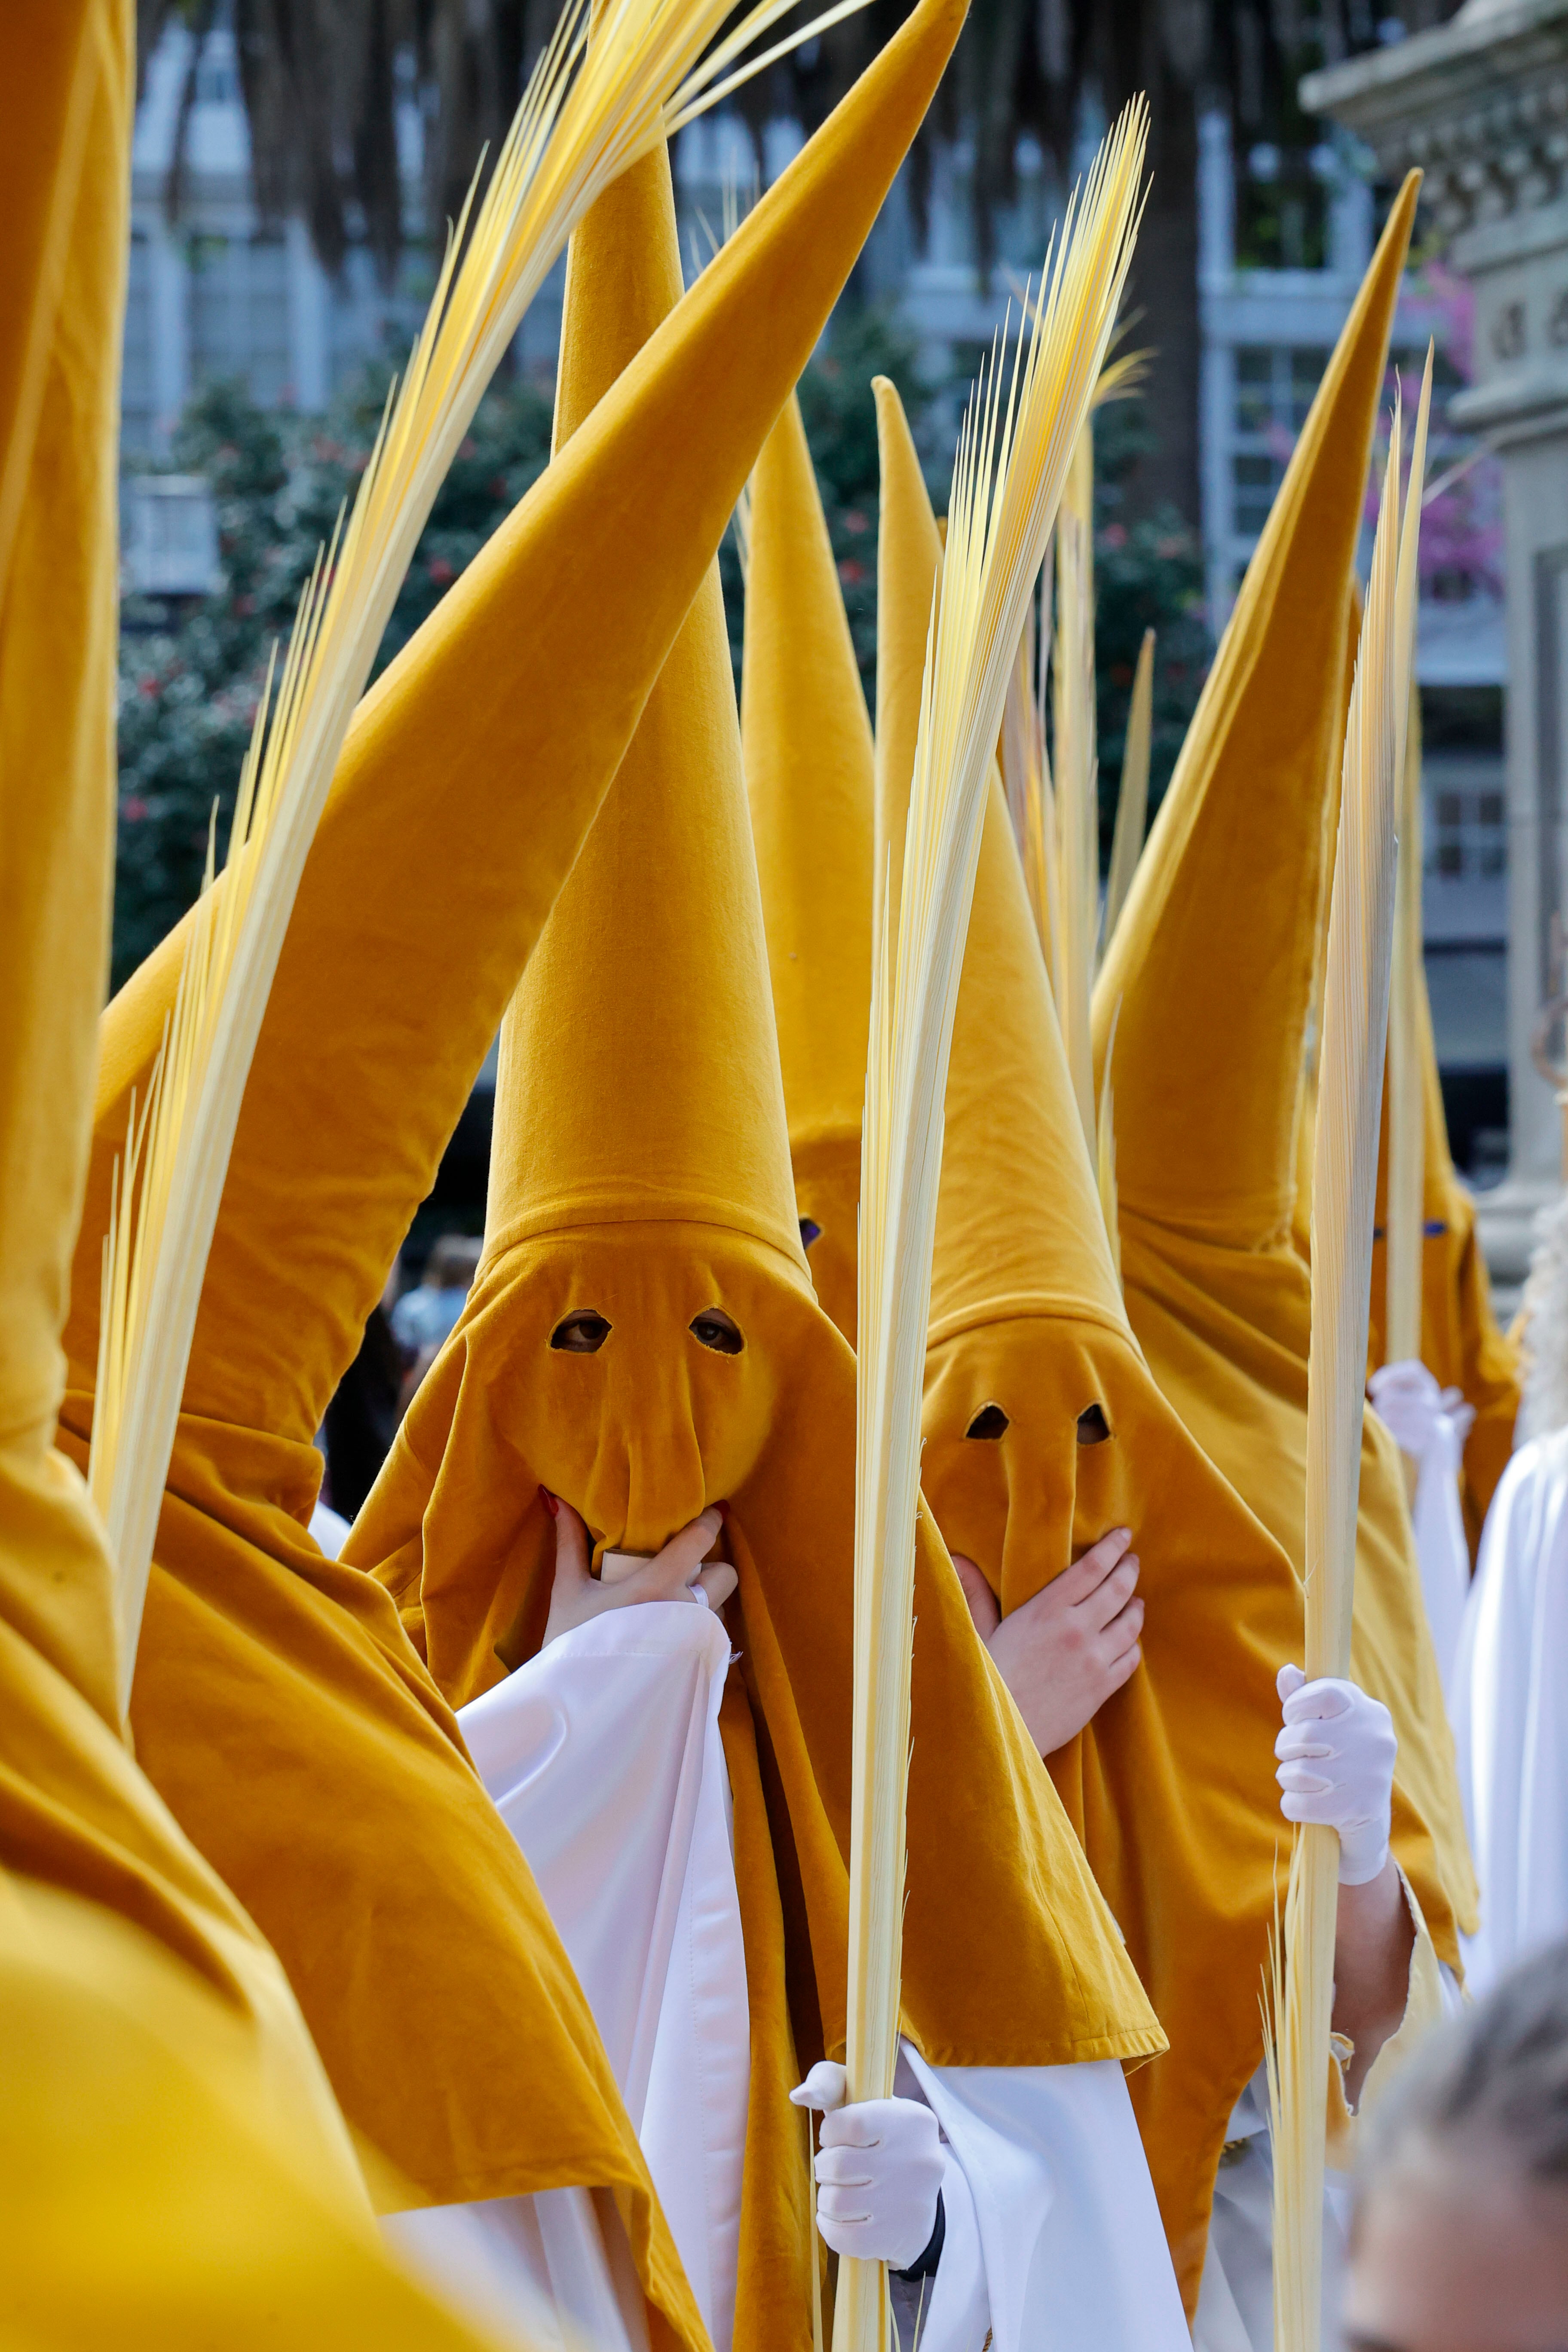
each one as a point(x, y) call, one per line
point(1425, 1422)
point(878, 2171)
point(1336, 1758)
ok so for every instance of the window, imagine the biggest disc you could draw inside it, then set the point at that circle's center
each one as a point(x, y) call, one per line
point(1466, 838)
point(239, 313)
point(136, 394)
point(1274, 387)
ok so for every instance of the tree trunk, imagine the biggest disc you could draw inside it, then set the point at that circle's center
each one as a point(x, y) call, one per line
point(1164, 288)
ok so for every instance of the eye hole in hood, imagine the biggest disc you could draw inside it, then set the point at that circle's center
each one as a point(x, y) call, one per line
point(715, 1329)
point(583, 1333)
point(810, 1231)
point(989, 1422)
point(1092, 1426)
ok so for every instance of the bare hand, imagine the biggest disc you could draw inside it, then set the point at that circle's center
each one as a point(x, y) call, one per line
point(1062, 1653)
point(674, 1574)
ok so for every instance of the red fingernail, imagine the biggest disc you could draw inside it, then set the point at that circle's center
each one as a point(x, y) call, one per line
point(549, 1501)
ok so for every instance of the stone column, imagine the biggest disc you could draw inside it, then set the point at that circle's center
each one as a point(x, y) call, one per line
point(1480, 105)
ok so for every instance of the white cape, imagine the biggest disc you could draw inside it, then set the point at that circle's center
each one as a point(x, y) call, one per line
point(603, 1757)
point(1510, 1713)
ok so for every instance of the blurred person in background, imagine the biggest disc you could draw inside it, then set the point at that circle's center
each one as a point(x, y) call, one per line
point(424, 1316)
point(1461, 2237)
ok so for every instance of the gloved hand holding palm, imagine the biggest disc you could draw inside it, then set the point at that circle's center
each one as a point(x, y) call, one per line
point(1422, 1419)
point(878, 2171)
point(1337, 1754)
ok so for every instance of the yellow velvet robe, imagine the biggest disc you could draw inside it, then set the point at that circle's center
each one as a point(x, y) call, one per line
point(278, 1703)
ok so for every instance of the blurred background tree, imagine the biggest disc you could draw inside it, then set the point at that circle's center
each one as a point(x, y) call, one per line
point(322, 80)
point(190, 677)
point(189, 681)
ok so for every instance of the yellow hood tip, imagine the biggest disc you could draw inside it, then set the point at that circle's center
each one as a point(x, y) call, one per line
point(1213, 956)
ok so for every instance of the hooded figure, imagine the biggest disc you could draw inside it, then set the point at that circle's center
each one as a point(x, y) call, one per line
point(1212, 964)
point(1044, 1430)
point(278, 1703)
point(805, 738)
point(173, 2171)
point(1461, 1344)
point(642, 1343)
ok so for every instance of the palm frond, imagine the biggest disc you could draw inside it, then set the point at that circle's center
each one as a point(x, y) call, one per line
point(1076, 771)
point(1132, 795)
point(1016, 444)
point(1404, 1215)
point(1350, 1088)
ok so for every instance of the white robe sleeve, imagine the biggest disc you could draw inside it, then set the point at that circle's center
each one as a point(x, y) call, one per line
point(1235, 2299)
point(604, 1755)
point(1511, 1715)
point(1064, 2223)
point(329, 1528)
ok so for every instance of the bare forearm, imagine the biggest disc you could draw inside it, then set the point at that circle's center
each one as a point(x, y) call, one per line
point(1373, 1938)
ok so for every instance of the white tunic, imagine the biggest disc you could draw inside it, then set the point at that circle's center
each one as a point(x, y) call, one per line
point(1511, 1715)
point(603, 1757)
point(1235, 2299)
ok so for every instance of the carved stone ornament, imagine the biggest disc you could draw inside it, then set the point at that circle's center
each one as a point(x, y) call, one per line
point(1479, 105)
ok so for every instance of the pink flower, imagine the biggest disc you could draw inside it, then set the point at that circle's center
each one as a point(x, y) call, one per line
point(134, 810)
point(851, 571)
point(440, 570)
point(1114, 535)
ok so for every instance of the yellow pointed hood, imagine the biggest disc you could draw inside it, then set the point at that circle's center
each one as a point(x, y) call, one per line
point(1171, 1787)
point(83, 1835)
point(1215, 952)
point(641, 1174)
point(806, 743)
point(473, 770)
point(638, 1076)
point(1212, 965)
point(909, 564)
